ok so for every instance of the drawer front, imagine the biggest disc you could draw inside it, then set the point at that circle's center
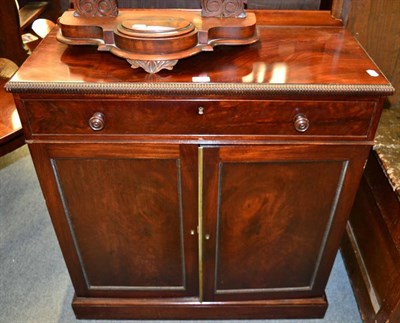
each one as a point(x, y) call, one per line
point(275, 118)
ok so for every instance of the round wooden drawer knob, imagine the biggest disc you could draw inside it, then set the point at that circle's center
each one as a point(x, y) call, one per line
point(301, 123)
point(96, 122)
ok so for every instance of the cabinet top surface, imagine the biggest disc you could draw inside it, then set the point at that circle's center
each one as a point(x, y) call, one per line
point(287, 58)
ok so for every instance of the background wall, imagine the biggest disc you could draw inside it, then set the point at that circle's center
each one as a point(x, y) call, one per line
point(376, 24)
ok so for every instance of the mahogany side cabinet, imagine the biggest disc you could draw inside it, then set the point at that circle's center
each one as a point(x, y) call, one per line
point(218, 190)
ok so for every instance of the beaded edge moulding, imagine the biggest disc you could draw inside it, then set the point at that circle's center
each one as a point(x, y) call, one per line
point(248, 89)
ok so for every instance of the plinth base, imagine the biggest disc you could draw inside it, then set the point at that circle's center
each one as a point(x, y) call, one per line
point(191, 308)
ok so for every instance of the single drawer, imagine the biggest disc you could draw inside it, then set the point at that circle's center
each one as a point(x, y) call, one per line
point(271, 118)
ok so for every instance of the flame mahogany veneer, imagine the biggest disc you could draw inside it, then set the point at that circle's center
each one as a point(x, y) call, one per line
point(220, 189)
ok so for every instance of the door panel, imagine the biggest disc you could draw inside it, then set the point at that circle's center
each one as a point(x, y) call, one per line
point(129, 213)
point(270, 219)
point(128, 230)
point(268, 209)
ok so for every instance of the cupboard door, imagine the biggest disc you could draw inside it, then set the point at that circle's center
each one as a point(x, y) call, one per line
point(273, 217)
point(125, 216)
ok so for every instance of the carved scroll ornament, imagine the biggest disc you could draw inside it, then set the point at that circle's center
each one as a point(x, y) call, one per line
point(210, 8)
point(223, 8)
point(96, 8)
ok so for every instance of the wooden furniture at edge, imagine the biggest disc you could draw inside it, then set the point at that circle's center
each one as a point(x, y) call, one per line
point(375, 24)
point(11, 134)
point(371, 245)
point(371, 250)
point(14, 22)
point(11, 46)
point(31, 11)
point(179, 199)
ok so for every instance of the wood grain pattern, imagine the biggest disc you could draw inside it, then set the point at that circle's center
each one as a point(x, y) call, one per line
point(256, 208)
point(272, 221)
point(274, 118)
point(150, 219)
point(263, 199)
point(301, 61)
point(130, 218)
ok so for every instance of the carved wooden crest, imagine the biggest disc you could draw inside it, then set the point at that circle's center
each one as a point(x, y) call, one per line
point(210, 8)
point(223, 8)
point(96, 8)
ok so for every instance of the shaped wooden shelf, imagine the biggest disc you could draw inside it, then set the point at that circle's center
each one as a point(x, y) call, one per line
point(156, 39)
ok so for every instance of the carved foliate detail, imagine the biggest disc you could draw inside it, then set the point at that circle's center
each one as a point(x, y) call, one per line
point(96, 8)
point(223, 8)
point(153, 66)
